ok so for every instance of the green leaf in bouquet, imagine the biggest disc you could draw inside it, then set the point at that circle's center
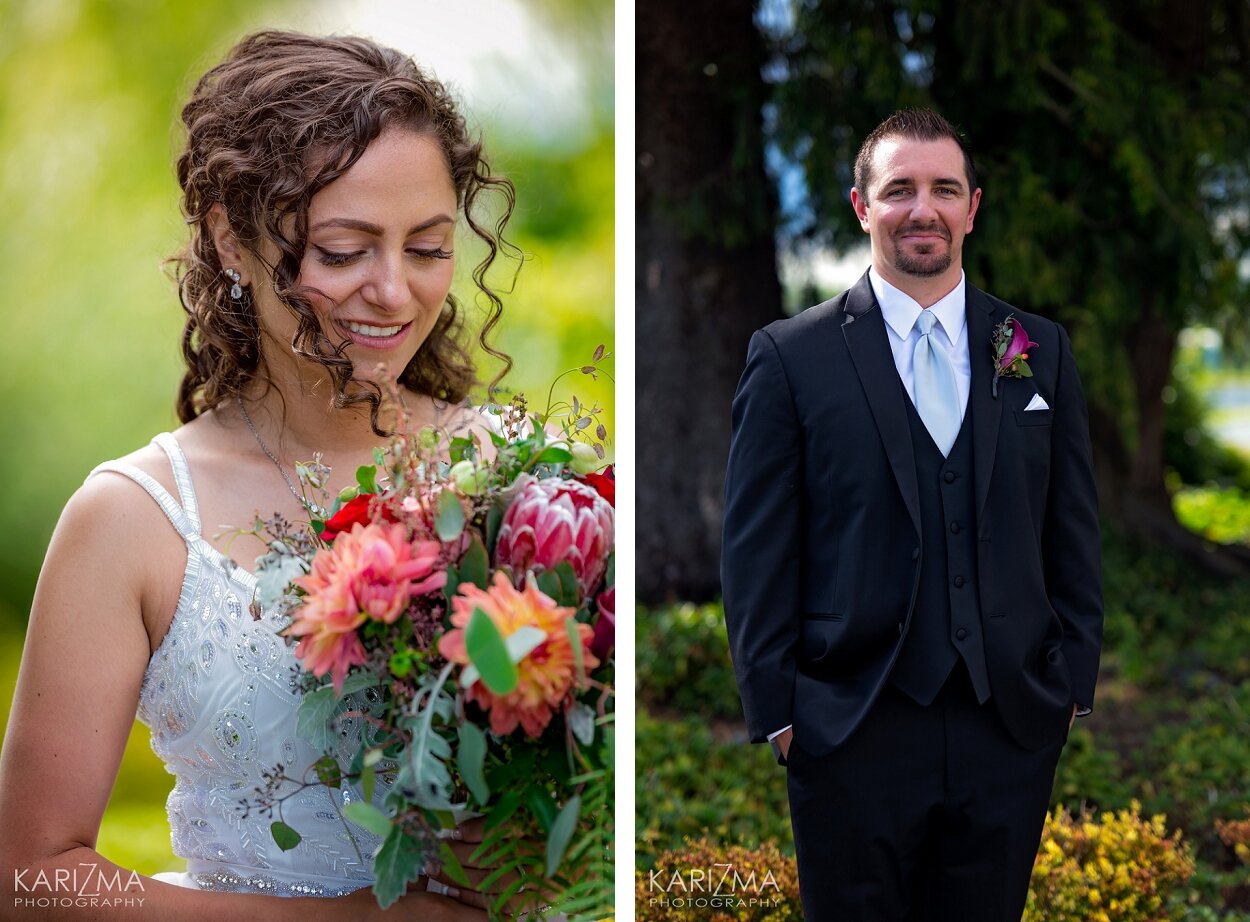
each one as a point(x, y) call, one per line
point(475, 565)
point(367, 477)
point(367, 816)
point(398, 863)
point(452, 584)
point(462, 449)
point(379, 457)
point(554, 454)
point(494, 519)
point(549, 584)
point(568, 584)
point(575, 644)
point(581, 720)
point(449, 519)
point(312, 721)
point(470, 759)
point(317, 526)
point(368, 780)
point(561, 832)
point(328, 771)
point(284, 836)
point(452, 866)
point(504, 809)
point(542, 806)
point(610, 579)
point(488, 655)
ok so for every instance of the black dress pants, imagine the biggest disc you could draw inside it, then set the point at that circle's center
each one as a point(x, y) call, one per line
point(925, 814)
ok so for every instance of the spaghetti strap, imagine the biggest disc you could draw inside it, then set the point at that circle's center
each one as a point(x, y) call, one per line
point(185, 518)
point(182, 477)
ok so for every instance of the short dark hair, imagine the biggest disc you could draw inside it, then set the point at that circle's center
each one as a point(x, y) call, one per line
point(918, 125)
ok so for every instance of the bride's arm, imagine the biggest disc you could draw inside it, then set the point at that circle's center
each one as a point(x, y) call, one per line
point(83, 663)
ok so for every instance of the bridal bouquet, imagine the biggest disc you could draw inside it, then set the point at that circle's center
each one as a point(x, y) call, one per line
point(458, 604)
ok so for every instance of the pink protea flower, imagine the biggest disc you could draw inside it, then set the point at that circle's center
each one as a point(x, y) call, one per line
point(546, 674)
point(371, 572)
point(556, 520)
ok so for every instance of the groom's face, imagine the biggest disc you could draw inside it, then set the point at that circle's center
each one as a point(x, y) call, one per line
point(918, 208)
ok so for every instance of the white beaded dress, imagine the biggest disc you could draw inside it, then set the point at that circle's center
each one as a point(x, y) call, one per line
point(220, 695)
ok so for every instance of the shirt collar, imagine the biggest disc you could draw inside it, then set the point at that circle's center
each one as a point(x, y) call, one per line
point(900, 310)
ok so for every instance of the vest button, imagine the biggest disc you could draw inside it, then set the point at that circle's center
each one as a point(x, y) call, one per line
point(959, 581)
point(961, 634)
point(949, 476)
point(954, 528)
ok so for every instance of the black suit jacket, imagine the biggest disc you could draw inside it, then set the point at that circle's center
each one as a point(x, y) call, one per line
point(822, 546)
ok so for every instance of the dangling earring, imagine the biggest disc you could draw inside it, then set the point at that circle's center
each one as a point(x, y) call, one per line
point(236, 290)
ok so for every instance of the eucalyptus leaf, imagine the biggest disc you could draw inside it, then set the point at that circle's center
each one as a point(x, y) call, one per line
point(489, 654)
point(367, 816)
point(368, 779)
point(581, 720)
point(274, 573)
point(312, 721)
point(357, 681)
point(284, 836)
point(449, 519)
point(328, 771)
point(561, 832)
point(398, 863)
point(470, 759)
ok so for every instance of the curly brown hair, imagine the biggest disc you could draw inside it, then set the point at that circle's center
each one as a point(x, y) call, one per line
point(284, 115)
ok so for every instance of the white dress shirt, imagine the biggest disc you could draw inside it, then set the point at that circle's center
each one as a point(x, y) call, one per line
point(901, 312)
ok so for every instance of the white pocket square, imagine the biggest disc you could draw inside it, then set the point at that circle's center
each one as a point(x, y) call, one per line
point(1037, 403)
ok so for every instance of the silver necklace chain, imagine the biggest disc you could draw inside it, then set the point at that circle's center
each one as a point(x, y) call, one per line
point(269, 454)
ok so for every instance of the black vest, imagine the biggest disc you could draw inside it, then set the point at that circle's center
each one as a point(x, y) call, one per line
point(946, 623)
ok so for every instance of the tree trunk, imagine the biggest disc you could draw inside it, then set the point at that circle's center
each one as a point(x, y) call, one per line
point(706, 275)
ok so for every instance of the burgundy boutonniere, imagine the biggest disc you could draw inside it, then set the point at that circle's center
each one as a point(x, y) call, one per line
point(1011, 347)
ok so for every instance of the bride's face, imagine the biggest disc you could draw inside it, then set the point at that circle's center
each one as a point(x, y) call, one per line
point(380, 241)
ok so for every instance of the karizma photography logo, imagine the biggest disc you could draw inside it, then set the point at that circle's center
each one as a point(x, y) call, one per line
point(87, 885)
point(717, 886)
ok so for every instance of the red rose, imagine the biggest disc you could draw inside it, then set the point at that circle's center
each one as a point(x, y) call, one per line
point(355, 512)
point(604, 484)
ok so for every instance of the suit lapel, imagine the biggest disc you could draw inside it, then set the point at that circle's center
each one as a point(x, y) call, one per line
point(864, 330)
point(986, 410)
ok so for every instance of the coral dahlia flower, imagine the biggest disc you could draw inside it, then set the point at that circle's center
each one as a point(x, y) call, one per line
point(547, 673)
point(371, 572)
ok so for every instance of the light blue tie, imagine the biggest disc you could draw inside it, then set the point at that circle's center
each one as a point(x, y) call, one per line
point(937, 398)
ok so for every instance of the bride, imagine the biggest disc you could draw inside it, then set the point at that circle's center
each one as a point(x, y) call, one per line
point(323, 180)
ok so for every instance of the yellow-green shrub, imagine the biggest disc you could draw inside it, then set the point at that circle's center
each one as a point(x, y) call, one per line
point(1119, 867)
point(708, 882)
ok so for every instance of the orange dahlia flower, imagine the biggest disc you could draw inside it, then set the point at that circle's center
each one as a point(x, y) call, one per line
point(547, 673)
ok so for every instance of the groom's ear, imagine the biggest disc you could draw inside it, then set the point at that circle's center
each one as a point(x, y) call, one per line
point(973, 203)
point(860, 204)
point(229, 252)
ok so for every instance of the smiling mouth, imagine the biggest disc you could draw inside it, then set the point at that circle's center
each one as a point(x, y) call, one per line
point(365, 329)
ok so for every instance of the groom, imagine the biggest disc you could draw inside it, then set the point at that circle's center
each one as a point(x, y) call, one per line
point(911, 559)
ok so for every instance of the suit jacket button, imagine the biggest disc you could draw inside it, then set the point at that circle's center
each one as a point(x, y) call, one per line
point(954, 528)
point(949, 476)
point(961, 634)
point(959, 581)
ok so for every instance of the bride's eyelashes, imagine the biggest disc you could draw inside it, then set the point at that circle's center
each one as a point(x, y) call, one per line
point(334, 259)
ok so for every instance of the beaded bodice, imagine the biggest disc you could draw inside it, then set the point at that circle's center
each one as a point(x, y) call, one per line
point(220, 696)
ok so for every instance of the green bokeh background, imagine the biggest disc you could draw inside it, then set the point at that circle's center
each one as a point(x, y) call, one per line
point(89, 362)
